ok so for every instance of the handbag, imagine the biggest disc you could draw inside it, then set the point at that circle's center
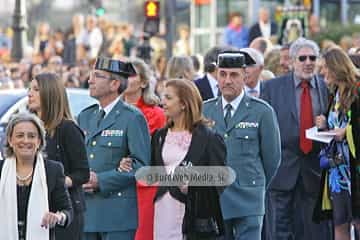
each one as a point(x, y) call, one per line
point(331, 156)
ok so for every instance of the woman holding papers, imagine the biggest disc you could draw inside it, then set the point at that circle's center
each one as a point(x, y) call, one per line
point(340, 190)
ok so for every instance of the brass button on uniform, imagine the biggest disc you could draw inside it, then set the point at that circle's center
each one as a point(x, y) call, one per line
point(225, 136)
point(109, 144)
point(91, 155)
point(119, 194)
point(94, 143)
point(246, 137)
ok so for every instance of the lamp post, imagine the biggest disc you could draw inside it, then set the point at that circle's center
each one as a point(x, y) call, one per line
point(19, 27)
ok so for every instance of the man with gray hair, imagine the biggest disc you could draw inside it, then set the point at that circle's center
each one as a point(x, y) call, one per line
point(296, 98)
point(253, 85)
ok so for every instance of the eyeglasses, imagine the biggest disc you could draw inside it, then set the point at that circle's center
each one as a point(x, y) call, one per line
point(99, 75)
point(304, 57)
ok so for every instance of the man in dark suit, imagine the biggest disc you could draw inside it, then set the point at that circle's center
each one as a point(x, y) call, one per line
point(296, 98)
point(114, 130)
point(252, 139)
point(208, 85)
point(264, 27)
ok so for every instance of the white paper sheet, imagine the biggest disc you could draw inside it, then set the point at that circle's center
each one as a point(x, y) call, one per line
point(314, 134)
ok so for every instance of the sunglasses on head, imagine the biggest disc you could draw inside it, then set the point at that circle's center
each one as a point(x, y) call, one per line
point(304, 57)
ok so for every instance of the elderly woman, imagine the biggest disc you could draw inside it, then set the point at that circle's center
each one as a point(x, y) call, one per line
point(33, 196)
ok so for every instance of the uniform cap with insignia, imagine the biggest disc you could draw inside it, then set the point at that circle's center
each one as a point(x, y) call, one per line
point(233, 59)
point(124, 69)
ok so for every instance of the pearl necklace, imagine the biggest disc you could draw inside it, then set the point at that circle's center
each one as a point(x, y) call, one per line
point(24, 179)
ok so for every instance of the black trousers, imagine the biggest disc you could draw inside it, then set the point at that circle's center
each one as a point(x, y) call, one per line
point(289, 215)
point(74, 231)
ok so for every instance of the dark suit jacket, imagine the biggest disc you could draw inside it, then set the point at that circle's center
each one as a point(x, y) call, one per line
point(255, 31)
point(67, 146)
point(59, 199)
point(206, 149)
point(204, 88)
point(280, 94)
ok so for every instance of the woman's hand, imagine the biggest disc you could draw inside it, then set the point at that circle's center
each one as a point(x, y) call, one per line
point(125, 165)
point(320, 122)
point(340, 133)
point(68, 182)
point(50, 219)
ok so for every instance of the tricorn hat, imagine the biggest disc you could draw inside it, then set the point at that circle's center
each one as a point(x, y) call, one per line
point(238, 59)
point(124, 69)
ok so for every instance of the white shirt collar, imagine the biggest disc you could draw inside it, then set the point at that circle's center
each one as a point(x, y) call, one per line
point(110, 106)
point(213, 84)
point(234, 103)
point(257, 88)
point(265, 29)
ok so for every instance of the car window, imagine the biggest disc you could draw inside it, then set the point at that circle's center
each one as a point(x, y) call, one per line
point(6, 101)
point(79, 100)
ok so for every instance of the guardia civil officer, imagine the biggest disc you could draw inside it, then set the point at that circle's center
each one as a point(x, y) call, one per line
point(113, 130)
point(252, 138)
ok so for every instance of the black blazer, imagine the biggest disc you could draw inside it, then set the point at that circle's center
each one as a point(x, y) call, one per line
point(59, 199)
point(206, 149)
point(67, 146)
point(204, 88)
point(255, 31)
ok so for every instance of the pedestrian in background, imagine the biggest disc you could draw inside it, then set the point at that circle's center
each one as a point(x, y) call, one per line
point(342, 181)
point(236, 34)
point(33, 195)
point(48, 99)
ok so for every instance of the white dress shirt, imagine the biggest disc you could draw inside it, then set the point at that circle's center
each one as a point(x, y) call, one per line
point(256, 88)
point(234, 103)
point(213, 84)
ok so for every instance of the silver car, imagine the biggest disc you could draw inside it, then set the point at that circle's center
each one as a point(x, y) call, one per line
point(15, 100)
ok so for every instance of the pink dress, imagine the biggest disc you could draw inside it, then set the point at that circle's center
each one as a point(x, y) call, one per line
point(169, 212)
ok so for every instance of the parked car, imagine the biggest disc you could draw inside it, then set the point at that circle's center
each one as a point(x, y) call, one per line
point(15, 100)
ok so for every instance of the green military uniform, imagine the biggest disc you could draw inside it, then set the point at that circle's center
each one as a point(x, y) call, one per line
point(122, 133)
point(253, 151)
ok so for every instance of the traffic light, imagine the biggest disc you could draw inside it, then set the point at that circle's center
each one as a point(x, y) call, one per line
point(152, 17)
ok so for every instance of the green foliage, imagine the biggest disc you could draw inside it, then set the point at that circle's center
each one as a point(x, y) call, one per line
point(336, 32)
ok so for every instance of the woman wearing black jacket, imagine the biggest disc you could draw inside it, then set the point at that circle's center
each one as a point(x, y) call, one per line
point(33, 195)
point(186, 211)
point(65, 143)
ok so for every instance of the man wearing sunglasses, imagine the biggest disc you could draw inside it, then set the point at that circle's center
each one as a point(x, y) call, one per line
point(296, 98)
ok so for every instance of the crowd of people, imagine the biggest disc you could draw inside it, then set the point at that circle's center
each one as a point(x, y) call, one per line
point(249, 110)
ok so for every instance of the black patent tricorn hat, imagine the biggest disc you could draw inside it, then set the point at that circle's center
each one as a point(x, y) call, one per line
point(238, 59)
point(124, 69)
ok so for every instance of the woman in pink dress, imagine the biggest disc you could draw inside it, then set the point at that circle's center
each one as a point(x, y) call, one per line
point(186, 141)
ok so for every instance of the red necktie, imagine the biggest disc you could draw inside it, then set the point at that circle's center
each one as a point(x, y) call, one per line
point(306, 117)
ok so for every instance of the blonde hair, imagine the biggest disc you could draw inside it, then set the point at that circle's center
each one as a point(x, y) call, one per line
point(345, 73)
point(180, 67)
point(146, 76)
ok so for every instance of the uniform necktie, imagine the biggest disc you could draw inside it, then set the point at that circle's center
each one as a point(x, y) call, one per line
point(306, 117)
point(101, 115)
point(227, 118)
